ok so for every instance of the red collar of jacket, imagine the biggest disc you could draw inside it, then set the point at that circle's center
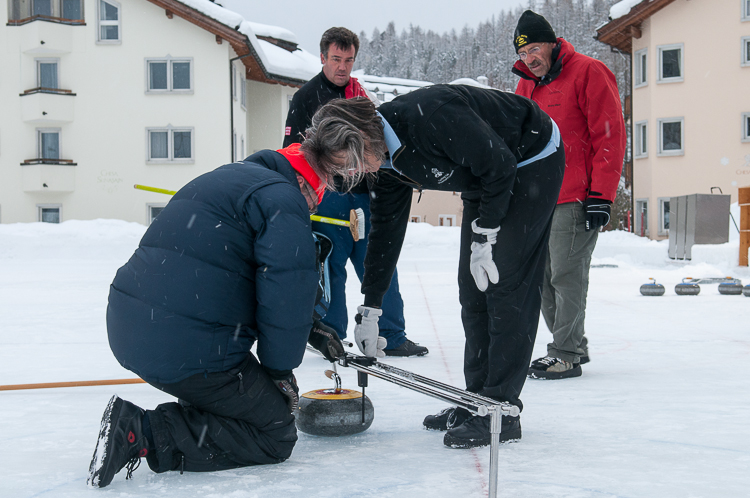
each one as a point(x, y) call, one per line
point(301, 166)
point(565, 54)
point(354, 89)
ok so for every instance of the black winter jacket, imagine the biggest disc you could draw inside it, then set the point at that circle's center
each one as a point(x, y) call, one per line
point(230, 260)
point(454, 138)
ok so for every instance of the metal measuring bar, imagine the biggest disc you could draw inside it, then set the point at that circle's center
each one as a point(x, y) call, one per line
point(473, 402)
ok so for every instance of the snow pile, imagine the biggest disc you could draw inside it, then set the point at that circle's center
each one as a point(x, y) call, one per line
point(273, 32)
point(621, 9)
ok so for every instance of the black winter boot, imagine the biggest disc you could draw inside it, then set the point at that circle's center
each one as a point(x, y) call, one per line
point(121, 443)
point(476, 432)
point(446, 419)
point(408, 348)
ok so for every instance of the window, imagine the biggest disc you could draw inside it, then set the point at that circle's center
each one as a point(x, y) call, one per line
point(169, 75)
point(243, 92)
point(641, 217)
point(60, 10)
point(663, 228)
point(109, 22)
point(49, 213)
point(47, 73)
point(745, 10)
point(154, 210)
point(447, 220)
point(234, 82)
point(641, 68)
point(170, 145)
point(670, 63)
point(242, 147)
point(415, 219)
point(746, 50)
point(746, 126)
point(48, 144)
point(671, 137)
point(641, 139)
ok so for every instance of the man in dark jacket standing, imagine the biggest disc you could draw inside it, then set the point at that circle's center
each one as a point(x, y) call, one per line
point(504, 154)
point(580, 94)
point(230, 262)
point(338, 51)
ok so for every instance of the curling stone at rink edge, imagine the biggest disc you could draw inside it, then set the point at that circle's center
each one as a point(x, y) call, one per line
point(333, 412)
point(687, 289)
point(746, 291)
point(652, 288)
point(730, 288)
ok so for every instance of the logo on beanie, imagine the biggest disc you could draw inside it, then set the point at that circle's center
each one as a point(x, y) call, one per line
point(522, 40)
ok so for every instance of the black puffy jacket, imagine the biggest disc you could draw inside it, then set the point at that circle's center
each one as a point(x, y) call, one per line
point(230, 260)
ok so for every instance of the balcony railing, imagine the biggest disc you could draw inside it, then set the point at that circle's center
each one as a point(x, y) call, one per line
point(41, 89)
point(58, 20)
point(43, 160)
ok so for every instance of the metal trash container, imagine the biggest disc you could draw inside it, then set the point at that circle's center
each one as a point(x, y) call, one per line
point(697, 219)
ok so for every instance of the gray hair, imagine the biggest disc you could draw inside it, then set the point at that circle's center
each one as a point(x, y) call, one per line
point(341, 134)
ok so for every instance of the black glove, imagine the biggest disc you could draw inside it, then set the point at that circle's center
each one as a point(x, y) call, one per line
point(288, 387)
point(597, 212)
point(326, 340)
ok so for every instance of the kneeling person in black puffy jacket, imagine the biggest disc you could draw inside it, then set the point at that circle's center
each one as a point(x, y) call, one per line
point(230, 262)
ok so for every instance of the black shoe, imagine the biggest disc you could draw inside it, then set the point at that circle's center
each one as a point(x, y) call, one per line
point(549, 367)
point(121, 443)
point(584, 359)
point(408, 348)
point(475, 432)
point(446, 419)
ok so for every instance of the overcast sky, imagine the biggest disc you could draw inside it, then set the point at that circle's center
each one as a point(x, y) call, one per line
point(309, 19)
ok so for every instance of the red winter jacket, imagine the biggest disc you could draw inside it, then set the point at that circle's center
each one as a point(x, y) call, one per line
point(580, 94)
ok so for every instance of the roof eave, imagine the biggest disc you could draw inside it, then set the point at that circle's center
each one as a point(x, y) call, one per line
point(619, 33)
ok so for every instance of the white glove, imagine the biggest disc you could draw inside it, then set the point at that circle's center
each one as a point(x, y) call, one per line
point(482, 267)
point(367, 333)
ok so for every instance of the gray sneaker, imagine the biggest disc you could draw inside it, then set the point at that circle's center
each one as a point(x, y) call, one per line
point(551, 368)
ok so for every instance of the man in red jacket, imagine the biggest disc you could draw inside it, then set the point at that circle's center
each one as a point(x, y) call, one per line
point(580, 95)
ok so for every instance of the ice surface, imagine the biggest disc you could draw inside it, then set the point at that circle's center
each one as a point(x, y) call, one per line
point(661, 410)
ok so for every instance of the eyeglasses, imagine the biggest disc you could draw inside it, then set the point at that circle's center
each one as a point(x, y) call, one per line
point(534, 52)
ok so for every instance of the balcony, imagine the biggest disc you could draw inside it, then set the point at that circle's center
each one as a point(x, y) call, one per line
point(47, 106)
point(50, 38)
point(48, 175)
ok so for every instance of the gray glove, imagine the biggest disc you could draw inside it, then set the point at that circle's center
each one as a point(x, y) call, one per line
point(482, 268)
point(367, 333)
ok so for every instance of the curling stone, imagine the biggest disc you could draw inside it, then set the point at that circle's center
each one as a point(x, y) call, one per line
point(652, 289)
point(687, 289)
point(333, 412)
point(730, 288)
point(746, 291)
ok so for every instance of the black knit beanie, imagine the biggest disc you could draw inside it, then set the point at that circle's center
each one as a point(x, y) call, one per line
point(532, 28)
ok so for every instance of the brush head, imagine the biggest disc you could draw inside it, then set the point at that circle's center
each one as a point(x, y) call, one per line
point(357, 224)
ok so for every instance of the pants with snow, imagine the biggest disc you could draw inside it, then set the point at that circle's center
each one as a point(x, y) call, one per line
point(338, 205)
point(224, 420)
point(566, 282)
point(500, 324)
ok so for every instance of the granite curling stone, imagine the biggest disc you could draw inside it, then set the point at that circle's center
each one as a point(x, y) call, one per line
point(333, 412)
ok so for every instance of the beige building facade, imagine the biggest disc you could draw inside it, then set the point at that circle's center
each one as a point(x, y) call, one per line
point(690, 100)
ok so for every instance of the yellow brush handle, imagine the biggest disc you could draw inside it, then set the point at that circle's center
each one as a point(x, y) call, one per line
point(330, 221)
point(154, 189)
point(314, 217)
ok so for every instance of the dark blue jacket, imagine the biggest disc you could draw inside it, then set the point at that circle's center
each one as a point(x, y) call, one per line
point(230, 260)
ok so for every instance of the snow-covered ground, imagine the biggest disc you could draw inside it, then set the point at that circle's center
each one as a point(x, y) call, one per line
point(661, 410)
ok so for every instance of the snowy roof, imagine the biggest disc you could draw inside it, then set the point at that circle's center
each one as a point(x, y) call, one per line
point(296, 64)
point(622, 8)
point(625, 22)
point(389, 87)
